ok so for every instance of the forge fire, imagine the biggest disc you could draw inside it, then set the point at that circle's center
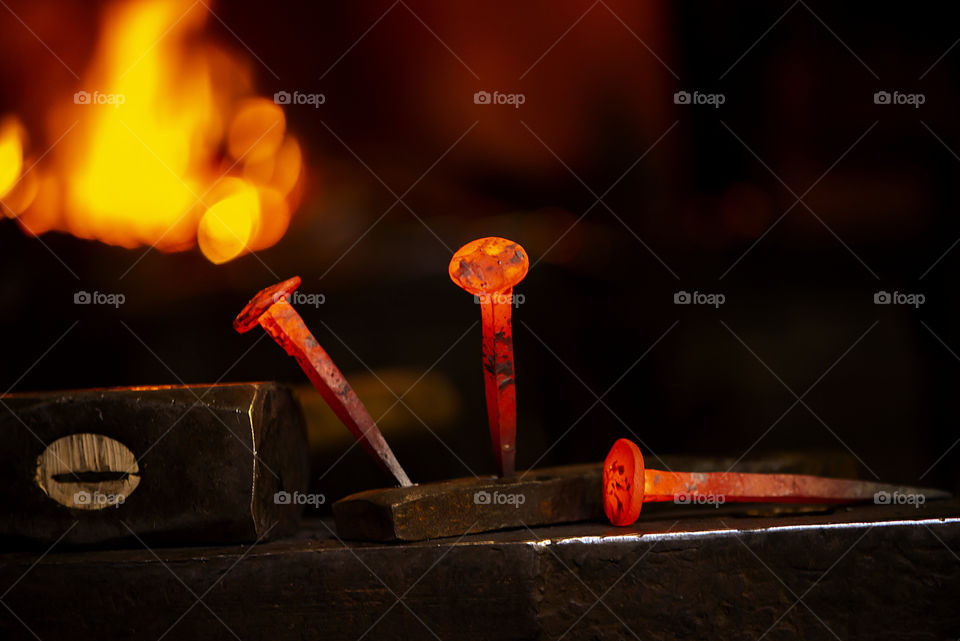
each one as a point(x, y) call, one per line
point(165, 143)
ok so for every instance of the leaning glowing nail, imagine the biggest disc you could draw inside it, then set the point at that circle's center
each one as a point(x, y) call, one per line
point(281, 321)
point(489, 268)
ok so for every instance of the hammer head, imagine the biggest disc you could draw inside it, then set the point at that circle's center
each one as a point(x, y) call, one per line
point(259, 304)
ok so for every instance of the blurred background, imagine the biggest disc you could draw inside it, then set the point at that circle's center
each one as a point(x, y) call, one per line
point(795, 161)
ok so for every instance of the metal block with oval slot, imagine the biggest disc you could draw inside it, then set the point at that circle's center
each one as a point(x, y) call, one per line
point(173, 465)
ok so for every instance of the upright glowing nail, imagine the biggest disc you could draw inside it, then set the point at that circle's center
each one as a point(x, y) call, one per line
point(489, 268)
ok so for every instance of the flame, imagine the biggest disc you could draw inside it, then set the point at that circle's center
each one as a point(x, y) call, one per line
point(11, 154)
point(228, 226)
point(166, 144)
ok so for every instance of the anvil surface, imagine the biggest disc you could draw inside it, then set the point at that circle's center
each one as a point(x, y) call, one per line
point(681, 572)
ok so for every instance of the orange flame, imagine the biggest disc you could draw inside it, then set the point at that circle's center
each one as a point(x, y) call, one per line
point(165, 145)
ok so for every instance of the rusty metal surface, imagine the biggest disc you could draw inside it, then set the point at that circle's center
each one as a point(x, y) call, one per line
point(454, 508)
point(867, 572)
point(199, 480)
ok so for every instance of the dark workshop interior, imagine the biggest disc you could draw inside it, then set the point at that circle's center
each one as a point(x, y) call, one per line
point(741, 221)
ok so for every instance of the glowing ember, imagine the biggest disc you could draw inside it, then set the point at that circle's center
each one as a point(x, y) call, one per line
point(166, 145)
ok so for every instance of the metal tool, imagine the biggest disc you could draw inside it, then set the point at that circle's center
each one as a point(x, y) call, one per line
point(280, 320)
point(489, 268)
point(170, 465)
point(627, 485)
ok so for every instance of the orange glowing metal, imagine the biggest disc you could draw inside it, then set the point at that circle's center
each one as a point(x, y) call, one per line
point(627, 485)
point(166, 144)
point(280, 320)
point(489, 268)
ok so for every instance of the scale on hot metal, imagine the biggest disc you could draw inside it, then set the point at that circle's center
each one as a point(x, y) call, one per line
point(489, 268)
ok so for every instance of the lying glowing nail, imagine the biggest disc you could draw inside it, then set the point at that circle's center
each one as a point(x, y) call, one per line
point(281, 321)
point(627, 485)
point(489, 268)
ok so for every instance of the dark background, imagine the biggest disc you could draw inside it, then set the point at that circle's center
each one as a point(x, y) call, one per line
point(693, 188)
